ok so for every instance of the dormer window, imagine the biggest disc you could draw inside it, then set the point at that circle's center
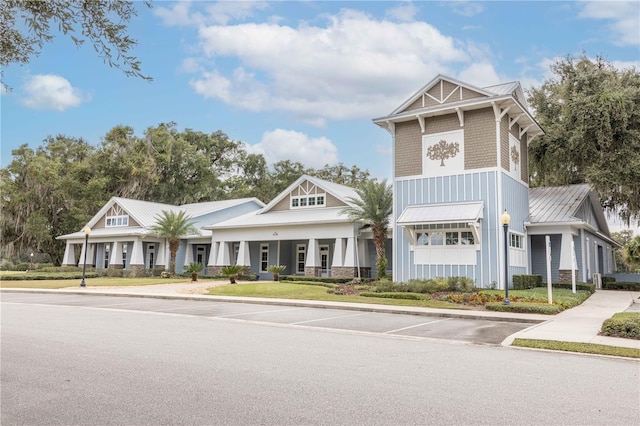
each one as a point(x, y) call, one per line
point(117, 221)
point(116, 217)
point(304, 201)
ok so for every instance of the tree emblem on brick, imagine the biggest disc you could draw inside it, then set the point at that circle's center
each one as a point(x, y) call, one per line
point(443, 151)
point(515, 156)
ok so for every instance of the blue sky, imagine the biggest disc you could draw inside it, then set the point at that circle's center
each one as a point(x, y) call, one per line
point(302, 80)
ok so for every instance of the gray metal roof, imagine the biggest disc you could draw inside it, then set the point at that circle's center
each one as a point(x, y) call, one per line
point(556, 204)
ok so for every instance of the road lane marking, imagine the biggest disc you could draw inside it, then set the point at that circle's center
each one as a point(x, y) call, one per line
point(259, 312)
point(417, 325)
point(327, 319)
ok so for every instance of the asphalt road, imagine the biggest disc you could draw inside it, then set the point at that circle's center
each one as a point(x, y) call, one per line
point(71, 363)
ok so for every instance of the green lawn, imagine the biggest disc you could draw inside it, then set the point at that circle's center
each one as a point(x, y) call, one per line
point(561, 296)
point(287, 290)
point(92, 282)
point(587, 348)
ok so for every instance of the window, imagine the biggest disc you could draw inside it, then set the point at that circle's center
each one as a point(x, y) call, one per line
point(466, 238)
point(124, 256)
point(301, 251)
point(307, 201)
point(515, 241)
point(107, 247)
point(437, 239)
point(264, 257)
point(452, 238)
point(113, 221)
point(423, 239)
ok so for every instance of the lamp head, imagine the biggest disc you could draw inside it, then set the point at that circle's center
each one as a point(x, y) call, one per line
point(87, 230)
point(505, 218)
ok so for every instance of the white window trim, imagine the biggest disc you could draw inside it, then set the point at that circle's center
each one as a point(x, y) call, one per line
point(412, 234)
point(315, 197)
point(111, 221)
point(522, 240)
point(264, 248)
point(301, 248)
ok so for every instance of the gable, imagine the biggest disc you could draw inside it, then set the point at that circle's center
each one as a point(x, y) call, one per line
point(307, 195)
point(441, 92)
point(115, 217)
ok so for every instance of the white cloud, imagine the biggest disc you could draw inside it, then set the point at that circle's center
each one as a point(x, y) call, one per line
point(282, 144)
point(221, 12)
point(224, 11)
point(52, 92)
point(624, 17)
point(480, 74)
point(466, 8)
point(404, 13)
point(354, 67)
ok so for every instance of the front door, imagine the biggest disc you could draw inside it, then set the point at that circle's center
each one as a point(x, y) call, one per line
point(151, 256)
point(324, 260)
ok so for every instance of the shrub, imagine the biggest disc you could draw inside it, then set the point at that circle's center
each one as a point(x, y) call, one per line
point(624, 324)
point(526, 282)
point(528, 308)
point(579, 286)
point(607, 280)
point(47, 276)
point(621, 286)
point(398, 295)
point(60, 269)
point(330, 280)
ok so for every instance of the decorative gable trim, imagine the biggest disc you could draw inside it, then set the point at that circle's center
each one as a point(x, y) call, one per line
point(438, 91)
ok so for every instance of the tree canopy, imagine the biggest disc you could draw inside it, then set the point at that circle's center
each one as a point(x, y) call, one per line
point(56, 188)
point(590, 112)
point(26, 26)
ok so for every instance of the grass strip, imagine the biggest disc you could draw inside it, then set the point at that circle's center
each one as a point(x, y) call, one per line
point(289, 290)
point(93, 282)
point(585, 348)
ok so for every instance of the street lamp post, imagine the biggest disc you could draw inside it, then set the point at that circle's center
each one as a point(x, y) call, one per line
point(87, 231)
point(505, 219)
point(31, 263)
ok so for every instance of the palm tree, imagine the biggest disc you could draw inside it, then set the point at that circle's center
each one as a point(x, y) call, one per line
point(373, 206)
point(173, 226)
point(232, 271)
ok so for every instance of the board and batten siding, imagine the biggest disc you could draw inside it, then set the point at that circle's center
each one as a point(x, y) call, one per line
point(479, 186)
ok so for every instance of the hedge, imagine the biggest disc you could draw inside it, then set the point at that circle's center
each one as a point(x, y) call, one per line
point(624, 324)
point(579, 286)
point(621, 286)
point(527, 308)
point(526, 282)
point(606, 280)
point(329, 280)
point(397, 295)
point(40, 277)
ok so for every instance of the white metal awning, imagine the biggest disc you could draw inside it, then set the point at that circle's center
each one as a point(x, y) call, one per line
point(441, 213)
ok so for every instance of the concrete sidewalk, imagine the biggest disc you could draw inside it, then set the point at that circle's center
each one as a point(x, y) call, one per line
point(582, 323)
point(579, 324)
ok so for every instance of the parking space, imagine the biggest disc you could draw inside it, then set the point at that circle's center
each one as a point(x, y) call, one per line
point(417, 326)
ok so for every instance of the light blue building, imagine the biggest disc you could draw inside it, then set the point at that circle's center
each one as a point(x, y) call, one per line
point(459, 161)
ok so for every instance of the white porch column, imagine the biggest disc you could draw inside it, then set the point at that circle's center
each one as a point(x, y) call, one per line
point(244, 257)
point(161, 256)
point(91, 254)
point(224, 257)
point(338, 253)
point(188, 254)
point(350, 253)
point(565, 252)
point(137, 257)
point(82, 250)
point(313, 254)
point(116, 255)
point(213, 254)
point(69, 258)
point(363, 253)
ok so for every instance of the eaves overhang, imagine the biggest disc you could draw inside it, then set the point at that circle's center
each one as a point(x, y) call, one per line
point(524, 117)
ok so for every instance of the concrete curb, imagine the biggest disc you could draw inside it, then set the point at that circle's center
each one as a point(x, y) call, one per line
point(361, 307)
